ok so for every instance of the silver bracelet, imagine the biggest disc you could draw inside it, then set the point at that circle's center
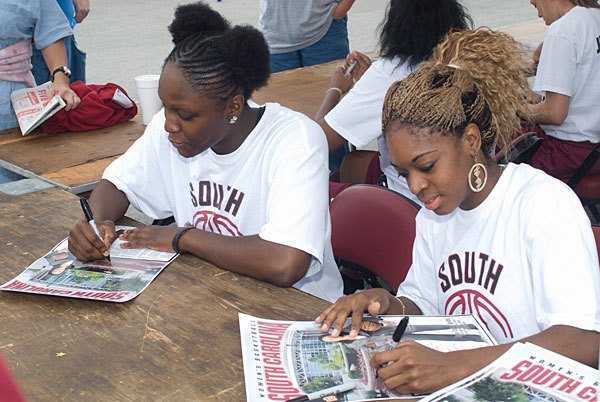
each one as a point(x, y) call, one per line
point(336, 89)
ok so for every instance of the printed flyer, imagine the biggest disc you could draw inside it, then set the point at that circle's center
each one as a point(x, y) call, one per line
point(59, 273)
point(526, 372)
point(290, 359)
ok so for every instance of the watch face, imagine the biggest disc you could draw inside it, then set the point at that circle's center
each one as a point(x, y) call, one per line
point(63, 69)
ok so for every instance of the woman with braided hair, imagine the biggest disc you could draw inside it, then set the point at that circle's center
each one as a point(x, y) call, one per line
point(508, 244)
point(247, 185)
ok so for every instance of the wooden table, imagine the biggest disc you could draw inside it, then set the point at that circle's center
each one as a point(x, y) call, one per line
point(75, 161)
point(177, 341)
point(301, 89)
point(72, 161)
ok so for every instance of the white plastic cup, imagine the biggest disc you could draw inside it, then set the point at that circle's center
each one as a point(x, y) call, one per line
point(147, 88)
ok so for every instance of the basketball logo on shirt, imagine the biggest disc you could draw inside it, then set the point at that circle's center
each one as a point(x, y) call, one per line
point(470, 301)
point(215, 223)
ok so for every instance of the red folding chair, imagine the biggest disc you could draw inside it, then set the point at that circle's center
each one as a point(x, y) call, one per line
point(373, 230)
point(524, 147)
point(587, 187)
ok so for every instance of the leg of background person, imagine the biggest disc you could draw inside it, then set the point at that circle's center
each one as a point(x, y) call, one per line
point(561, 158)
point(333, 46)
point(285, 61)
point(336, 157)
point(76, 60)
point(355, 166)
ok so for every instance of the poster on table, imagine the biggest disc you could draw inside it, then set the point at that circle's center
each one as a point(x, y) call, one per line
point(289, 359)
point(59, 273)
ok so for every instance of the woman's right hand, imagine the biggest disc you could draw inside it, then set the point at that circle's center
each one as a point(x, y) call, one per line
point(85, 244)
point(373, 301)
point(363, 62)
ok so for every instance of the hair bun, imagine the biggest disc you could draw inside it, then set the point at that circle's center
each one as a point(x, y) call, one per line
point(247, 55)
point(196, 19)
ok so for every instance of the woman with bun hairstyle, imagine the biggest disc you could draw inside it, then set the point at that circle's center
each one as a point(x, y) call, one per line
point(247, 185)
point(508, 244)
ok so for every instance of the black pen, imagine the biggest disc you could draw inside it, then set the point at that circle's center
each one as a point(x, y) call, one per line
point(87, 211)
point(400, 329)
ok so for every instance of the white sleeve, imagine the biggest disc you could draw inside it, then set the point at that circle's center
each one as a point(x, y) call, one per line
point(357, 117)
point(297, 203)
point(557, 67)
point(138, 173)
point(564, 262)
point(420, 285)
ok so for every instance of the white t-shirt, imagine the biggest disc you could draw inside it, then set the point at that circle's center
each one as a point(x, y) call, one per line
point(357, 117)
point(273, 185)
point(523, 260)
point(570, 65)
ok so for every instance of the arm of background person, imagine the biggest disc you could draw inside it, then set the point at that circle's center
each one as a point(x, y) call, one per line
point(342, 8)
point(82, 9)
point(332, 96)
point(553, 110)
point(55, 56)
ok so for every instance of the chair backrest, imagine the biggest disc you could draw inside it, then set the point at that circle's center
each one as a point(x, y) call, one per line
point(375, 228)
point(523, 149)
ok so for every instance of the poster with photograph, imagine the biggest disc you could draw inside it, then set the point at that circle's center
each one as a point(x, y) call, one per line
point(59, 273)
point(526, 372)
point(289, 359)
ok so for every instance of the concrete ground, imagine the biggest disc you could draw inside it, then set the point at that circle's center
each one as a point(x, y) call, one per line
point(128, 38)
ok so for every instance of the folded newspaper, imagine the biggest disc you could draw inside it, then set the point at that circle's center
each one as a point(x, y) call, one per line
point(59, 273)
point(526, 372)
point(289, 359)
point(33, 106)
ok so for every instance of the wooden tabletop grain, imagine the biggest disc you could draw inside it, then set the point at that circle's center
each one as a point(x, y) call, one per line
point(177, 341)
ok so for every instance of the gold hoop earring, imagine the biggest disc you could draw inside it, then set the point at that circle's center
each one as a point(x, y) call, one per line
point(478, 170)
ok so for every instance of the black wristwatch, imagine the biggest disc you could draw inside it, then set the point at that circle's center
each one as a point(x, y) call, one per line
point(64, 69)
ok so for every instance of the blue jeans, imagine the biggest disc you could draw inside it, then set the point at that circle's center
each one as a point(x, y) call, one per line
point(75, 57)
point(333, 46)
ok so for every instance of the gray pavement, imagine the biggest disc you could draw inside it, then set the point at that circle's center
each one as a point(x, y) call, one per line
point(128, 38)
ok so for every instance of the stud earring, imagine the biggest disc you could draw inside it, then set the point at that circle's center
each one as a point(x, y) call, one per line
point(477, 176)
point(233, 120)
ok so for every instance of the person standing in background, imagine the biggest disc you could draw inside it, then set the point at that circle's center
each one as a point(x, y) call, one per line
point(304, 33)
point(22, 21)
point(75, 11)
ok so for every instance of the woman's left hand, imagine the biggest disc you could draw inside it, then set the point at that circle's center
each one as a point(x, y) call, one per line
point(417, 369)
point(154, 237)
point(68, 95)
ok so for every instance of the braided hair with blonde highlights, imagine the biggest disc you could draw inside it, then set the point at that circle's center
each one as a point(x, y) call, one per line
point(473, 77)
point(586, 3)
